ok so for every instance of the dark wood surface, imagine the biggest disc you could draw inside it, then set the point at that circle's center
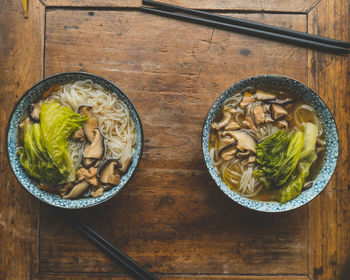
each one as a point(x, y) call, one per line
point(171, 218)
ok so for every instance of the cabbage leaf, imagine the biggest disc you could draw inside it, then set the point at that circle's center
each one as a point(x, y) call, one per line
point(45, 152)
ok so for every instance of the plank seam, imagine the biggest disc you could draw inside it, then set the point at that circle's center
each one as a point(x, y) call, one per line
point(236, 11)
point(43, 3)
point(313, 6)
point(176, 274)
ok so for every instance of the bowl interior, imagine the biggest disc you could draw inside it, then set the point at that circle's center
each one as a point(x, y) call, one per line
point(331, 155)
point(33, 95)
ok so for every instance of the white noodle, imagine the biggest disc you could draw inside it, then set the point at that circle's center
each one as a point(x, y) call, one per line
point(112, 114)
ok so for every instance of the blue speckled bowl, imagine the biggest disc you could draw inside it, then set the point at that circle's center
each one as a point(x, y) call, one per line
point(31, 96)
point(328, 167)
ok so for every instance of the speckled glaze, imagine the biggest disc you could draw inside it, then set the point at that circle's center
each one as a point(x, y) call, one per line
point(291, 86)
point(33, 95)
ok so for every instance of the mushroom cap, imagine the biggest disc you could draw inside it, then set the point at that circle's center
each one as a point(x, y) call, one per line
point(265, 96)
point(278, 111)
point(77, 190)
point(245, 140)
point(108, 172)
point(34, 111)
point(96, 148)
point(89, 128)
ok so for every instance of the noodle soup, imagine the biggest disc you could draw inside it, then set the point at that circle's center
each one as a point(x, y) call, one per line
point(267, 144)
point(77, 141)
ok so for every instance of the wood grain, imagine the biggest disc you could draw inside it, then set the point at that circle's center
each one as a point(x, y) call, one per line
point(172, 218)
point(75, 276)
point(21, 50)
point(330, 213)
point(296, 6)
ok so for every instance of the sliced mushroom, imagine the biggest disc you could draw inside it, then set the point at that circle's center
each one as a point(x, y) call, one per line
point(264, 96)
point(282, 124)
point(108, 173)
point(249, 123)
point(79, 135)
point(34, 111)
point(282, 101)
point(232, 126)
point(259, 115)
point(308, 185)
point(96, 148)
point(226, 137)
point(248, 110)
point(320, 142)
point(245, 140)
point(228, 152)
point(64, 189)
point(251, 159)
point(107, 187)
point(248, 160)
point(266, 107)
point(89, 128)
point(77, 190)
point(278, 111)
point(23, 123)
point(268, 118)
point(85, 110)
point(247, 99)
point(243, 154)
point(224, 120)
point(125, 164)
point(87, 162)
point(47, 188)
point(91, 124)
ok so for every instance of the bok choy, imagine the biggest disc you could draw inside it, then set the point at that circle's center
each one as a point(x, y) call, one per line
point(284, 161)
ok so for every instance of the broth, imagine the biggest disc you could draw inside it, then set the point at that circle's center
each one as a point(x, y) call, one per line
point(236, 166)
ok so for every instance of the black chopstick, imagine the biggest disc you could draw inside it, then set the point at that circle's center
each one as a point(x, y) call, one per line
point(250, 31)
point(247, 23)
point(137, 271)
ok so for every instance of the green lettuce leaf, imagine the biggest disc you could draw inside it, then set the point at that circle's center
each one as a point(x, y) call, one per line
point(44, 154)
point(34, 157)
point(57, 124)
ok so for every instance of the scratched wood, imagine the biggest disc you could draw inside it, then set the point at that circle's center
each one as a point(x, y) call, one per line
point(330, 213)
point(172, 218)
point(295, 6)
point(21, 49)
point(57, 276)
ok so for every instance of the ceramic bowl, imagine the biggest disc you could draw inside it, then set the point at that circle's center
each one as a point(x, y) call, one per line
point(302, 91)
point(33, 94)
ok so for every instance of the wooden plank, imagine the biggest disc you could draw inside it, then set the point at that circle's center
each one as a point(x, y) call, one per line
point(184, 70)
point(329, 75)
point(75, 276)
point(21, 49)
point(296, 6)
point(172, 218)
point(174, 221)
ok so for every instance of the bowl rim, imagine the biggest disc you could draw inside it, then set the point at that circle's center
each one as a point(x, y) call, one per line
point(75, 202)
point(266, 206)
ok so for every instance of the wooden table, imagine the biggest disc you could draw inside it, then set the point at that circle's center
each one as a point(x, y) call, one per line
point(172, 218)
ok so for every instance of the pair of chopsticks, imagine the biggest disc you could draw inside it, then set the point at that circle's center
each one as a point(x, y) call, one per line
point(248, 27)
point(137, 271)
